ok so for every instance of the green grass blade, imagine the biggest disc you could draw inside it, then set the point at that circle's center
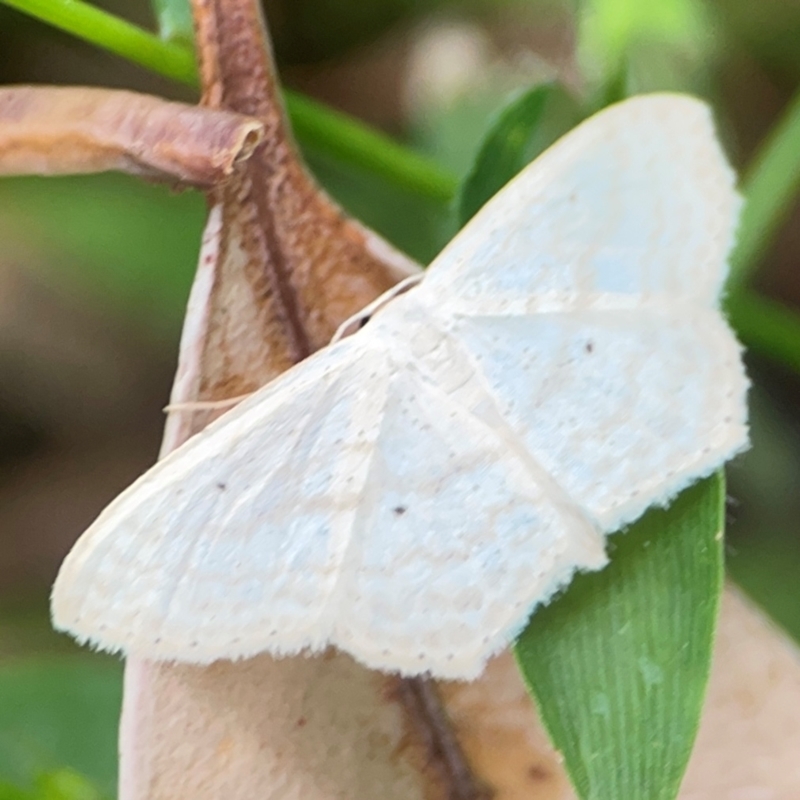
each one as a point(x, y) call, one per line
point(770, 185)
point(619, 664)
point(526, 126)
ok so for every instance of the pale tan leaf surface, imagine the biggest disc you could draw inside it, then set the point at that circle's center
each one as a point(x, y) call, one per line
point(55, 130)
point(497, 727)
point(748, 747)
point(304, 728)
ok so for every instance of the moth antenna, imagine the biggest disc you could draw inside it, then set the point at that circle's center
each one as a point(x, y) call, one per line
point(206, 405)
point(354, 323)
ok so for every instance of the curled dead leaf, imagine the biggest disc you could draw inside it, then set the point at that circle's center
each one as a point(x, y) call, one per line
point(53, 130)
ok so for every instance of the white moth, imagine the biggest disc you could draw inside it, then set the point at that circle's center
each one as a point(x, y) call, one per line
point(410, 493)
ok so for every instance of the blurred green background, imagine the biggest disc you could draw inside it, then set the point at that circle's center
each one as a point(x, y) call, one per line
point(94, 274)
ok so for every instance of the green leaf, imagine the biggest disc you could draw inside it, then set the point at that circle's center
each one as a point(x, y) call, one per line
point(66, 784)
point(766, 326)
point(59, 712)
point(521, 130)
point(619, 663)
point(174, 20)
point(504, 151)
point(63, 784)
point(127, 247)
point(10, 792)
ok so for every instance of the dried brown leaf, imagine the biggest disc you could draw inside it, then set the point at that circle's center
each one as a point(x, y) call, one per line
point(52, 130)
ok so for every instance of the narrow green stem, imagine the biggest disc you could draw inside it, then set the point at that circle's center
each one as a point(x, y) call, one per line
point(770, 183)
point(112, 33)
point(332, 133)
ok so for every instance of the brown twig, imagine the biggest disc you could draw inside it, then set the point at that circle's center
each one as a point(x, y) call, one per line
point(428, 720)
